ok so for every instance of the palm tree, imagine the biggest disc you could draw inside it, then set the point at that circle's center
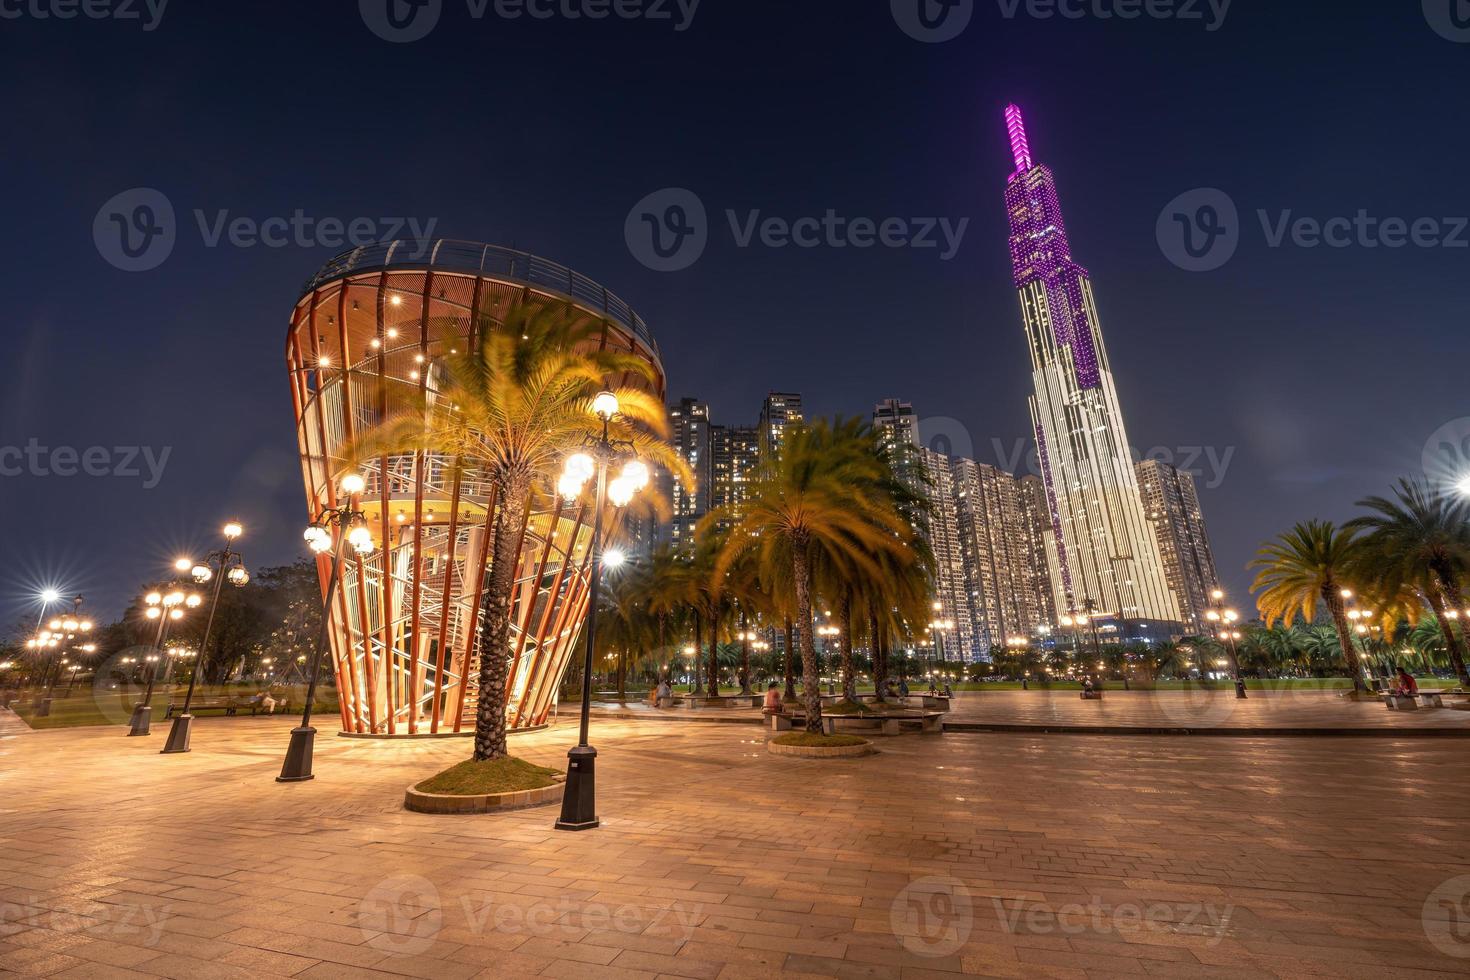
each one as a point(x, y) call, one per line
point(510, 408)
point(1420, 539)
point(1309, 564)
point(821, 496)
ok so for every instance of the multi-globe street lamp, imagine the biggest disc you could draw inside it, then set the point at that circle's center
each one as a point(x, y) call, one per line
point(167, 608)
point(334, 529)
point(57, 639)
point(1355, 613)
point(579, 798)
point(1222, 620)
point(222, 565)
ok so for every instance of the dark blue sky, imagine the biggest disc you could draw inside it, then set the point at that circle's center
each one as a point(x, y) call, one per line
point(1323, 369)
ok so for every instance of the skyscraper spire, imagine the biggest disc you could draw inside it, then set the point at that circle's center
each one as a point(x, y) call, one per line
point(1102, 554)
point(1020, 149)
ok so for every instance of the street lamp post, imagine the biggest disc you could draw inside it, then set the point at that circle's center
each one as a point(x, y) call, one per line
point(63, 630)
point(579, 798)
point(167, 608)
point(351, 528)
point(1217, 613)
point(224, 564)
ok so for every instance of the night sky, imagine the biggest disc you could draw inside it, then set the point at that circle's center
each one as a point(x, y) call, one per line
point(1323, 371)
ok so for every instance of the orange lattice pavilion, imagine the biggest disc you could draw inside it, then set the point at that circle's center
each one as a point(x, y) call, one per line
point(403, 627)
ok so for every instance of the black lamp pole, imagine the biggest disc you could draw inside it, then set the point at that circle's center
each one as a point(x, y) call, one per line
point(297, 767)
point(178, 735)
point(143, 710)
point(579, 798)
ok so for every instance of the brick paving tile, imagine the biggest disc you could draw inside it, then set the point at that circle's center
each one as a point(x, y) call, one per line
point(1069, 856)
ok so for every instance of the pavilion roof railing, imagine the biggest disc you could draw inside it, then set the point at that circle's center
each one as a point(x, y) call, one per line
point(495, 261)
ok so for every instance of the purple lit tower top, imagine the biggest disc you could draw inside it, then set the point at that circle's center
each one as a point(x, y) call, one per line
point(1040, 252)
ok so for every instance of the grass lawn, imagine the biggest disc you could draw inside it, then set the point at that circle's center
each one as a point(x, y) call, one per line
point(817, 739)
point(85, 708)
point(471, 778)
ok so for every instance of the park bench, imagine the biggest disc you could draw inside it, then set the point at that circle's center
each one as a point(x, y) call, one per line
point(1092, 695)
point(207, 703)
point(1400, 702)
point(887, 724)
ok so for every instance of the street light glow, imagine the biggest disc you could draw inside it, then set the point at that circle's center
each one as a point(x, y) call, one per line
point(613, 558)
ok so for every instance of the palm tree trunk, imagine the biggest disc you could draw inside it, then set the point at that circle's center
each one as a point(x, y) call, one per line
point(622, 676)
point(880, 656)
point(744, 656)
point(844, 643)
point(810, 691)
point(1332, 595)
point(790, 694)
point(1451, 641)
point(714, 658)
point(495, 626)
point(698, 651)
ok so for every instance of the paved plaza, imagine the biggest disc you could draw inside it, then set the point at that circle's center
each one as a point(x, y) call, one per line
point(1294, 710)
point(1009, 855)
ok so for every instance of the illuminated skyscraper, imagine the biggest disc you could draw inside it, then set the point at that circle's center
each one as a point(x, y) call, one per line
point(780, 410)
point(1100, 547)
point(690, 437)
point(1170, 500)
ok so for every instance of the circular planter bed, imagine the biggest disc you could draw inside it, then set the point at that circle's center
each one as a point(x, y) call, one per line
point(453, 791)
point(808, 746)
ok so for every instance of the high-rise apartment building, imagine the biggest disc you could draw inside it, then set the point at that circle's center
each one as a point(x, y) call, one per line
point(1172, 505)
point(1003, 553)
point(781, 410)
point(734, 457)
point(1101, 549)
point(690, 438)
point(954, 619)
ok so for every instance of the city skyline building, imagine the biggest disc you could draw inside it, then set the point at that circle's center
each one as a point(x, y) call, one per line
point(780, 410)
point(1172, 503)
point(1102, 554)
point(689, 435)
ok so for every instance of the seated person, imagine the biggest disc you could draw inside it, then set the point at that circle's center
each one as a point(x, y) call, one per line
point(948, 691)
point(772, 705)
point(1407, 686)
point(663, 690)
point(903, 687)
